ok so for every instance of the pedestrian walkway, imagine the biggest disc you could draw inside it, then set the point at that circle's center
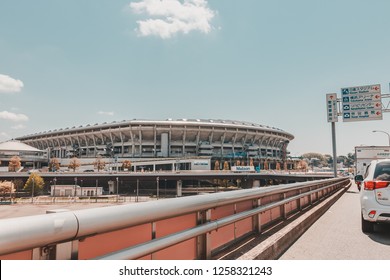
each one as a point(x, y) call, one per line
point(337, 235)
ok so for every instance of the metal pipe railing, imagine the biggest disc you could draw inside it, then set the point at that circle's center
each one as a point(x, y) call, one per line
point(30, 232)
point(123, 216)
point(167, 241)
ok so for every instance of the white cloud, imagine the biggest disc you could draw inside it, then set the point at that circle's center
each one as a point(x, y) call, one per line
point(106, 113)
point(9, 85)
point(173, 16)
point(13, 117)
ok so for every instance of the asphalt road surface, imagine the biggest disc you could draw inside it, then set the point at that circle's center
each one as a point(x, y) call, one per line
point(337, 235)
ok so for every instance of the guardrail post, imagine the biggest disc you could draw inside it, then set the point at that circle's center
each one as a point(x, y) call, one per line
point(310, 198)
point(61, 251)
point(284, 207)
point(235, 225)
point(257, 218)
point(203, 241)
point(300, 201)
point(153, 236)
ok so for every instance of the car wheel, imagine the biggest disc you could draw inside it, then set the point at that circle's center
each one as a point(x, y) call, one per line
point(367, 226)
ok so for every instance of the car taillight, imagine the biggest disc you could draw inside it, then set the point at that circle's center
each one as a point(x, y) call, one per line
point(373, 185)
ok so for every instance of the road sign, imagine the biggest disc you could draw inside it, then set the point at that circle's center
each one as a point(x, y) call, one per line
point(362, 103)
point(331, 107)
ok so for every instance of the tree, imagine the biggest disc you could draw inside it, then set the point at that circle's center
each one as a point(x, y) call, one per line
point(302, 165)
point(6, 189)
point(74, 164)
point(34, 181)
point(350, 161)
point(226, 166)
point(54, 164)
point(315, 162)
point(18, 184)
point(329, 160)
point(316, 159)
point(14, 164)
point(216, 165)
point(126, 165)
point(99, 163)
point(343, 160)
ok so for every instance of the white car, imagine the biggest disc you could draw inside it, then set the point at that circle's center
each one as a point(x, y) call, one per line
point(375, 194)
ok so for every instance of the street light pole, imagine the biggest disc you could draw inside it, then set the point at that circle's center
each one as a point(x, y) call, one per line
point(388, 135)
point(32, 190)
point(117, 189)
point(137, 189)
point(96, 190)
point(74, 191)
point(54, 189)
point(158, 186)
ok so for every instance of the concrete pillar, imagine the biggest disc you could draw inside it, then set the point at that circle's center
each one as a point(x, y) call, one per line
point(256, 184)
point(111, 187)
point(179, 185)
point(164, 144)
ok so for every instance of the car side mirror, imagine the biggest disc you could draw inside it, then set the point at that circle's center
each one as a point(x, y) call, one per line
point(359, 178)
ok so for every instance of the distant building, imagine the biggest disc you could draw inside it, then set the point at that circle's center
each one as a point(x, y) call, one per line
point(30, 157)
point(75, 190)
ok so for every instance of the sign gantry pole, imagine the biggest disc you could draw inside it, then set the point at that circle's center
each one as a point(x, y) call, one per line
point(334, 149)
point(331, 108)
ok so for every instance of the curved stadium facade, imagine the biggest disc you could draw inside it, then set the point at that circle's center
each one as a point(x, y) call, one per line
point(216, 139)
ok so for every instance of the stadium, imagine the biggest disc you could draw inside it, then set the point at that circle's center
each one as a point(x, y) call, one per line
point(139, 140)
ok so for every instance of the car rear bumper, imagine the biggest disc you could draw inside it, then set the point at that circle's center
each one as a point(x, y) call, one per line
point(381, 215)
point(382, 212)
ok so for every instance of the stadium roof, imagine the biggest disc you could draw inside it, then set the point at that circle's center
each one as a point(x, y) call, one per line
point(217, 122)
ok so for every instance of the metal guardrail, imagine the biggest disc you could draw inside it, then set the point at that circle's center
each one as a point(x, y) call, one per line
point(65, 235)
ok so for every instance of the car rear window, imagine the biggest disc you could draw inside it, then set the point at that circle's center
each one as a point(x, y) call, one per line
point(382, 171)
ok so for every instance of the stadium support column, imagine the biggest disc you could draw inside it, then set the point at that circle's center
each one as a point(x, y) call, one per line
point(164, 144)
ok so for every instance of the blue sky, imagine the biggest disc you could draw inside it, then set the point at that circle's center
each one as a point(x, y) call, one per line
point(70, 63)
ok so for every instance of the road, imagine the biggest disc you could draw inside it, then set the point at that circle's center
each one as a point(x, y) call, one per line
point(337, 235)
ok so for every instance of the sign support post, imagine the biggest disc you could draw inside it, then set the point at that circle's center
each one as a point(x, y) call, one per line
point(334, 149)
point(331, 103)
